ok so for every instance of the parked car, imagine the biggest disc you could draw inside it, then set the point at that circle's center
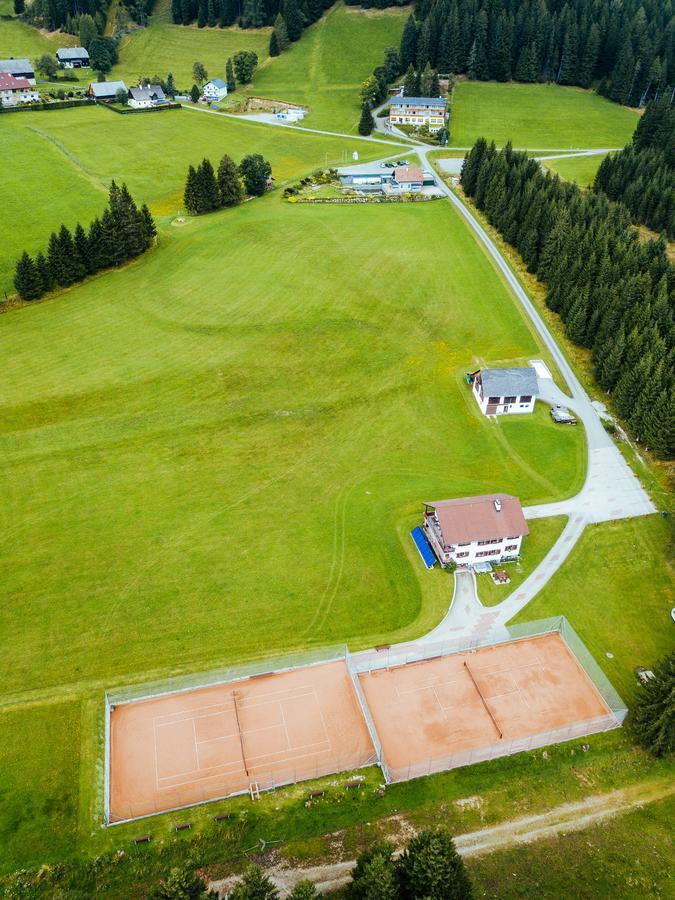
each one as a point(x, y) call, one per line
point(562, 416)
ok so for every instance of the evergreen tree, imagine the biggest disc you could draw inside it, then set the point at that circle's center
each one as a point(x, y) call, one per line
point(408, 48)
point(190, 194)
point(426, 79)
point(81, 253)
point(44, 272)
point(228, 12)
point(374, 876)
point(569, 63)
point(589, 57)
point(283, 41)
point(274, 45)
point(623, 74)
point(229, 75)
point(526, 70)
point(392, 64)
point(253, 14)
point(182, 884)
point(148, 225)
point(653, 718)
point(170, 86)
point(229, 185)
point(304, 890)
point(411, 83)
point(366, 122)
point(255, 885)
point(195, 94)
point(478, 62)
point(431, 868)
point(293, 18)
point(202, 13)
point(27, 278)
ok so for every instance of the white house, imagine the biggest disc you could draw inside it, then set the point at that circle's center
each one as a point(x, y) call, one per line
point(418, 111)
point(408, 179)
point(73, 57)
point(472, 530)
point(504, 391)
point(19, 68)
point(215, 89)
point(14, 91)
point(145, 96)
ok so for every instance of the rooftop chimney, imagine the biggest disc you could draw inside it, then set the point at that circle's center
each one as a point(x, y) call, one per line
point(498, 505)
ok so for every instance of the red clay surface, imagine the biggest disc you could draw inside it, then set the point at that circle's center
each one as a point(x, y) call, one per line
point(429, 711)
point(199, 745)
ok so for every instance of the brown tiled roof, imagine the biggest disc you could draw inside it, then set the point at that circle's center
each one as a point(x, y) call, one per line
point(476, 518)
point(405, 174)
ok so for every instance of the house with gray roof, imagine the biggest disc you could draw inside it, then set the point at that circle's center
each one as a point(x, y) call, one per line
point(19, 68)
point(106, 90)
point(73, 57)
point(504, 391)
point(418, 111)
point(146, 95)
point(215, 90)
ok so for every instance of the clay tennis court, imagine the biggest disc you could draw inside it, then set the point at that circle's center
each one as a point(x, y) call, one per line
point(454, 710)
point(185, 748)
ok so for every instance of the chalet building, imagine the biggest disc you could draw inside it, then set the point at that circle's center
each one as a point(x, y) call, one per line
point(146, 96)
point(504, 391)
point(473, 530)
point(408, 179)
point(19, 68)
point(403, 179)
point(73, 57)
point(214, 90)
point(106, 91)
point(14, 91)
point(418, 111)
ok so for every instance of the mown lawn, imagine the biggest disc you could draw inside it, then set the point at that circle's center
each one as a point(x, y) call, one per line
point(580, 169)
point(163, 47)
point(537, 116)
point(324, 70)
point(65, 160)
point(616, 589)
point(543, 535)
point(19, 39)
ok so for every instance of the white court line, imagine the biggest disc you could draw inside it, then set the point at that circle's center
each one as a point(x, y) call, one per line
point(180, 715)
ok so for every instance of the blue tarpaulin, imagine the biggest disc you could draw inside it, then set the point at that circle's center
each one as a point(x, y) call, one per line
point(422, 545)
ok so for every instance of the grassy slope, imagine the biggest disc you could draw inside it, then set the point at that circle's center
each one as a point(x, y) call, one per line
point(326, 68)
point(163, 47)
point(628, 857)
point(47, 187)
point(19, 39)
point(197, 425)
point(616, 589)
point(543, 535)
point(539, 116)
point(581, 169)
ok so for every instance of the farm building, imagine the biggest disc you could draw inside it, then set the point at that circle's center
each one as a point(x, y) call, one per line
point(106, 90)
point(215, 89)
point(473, 530)
point(146, 96)
point(408, 178)
point(418, 111)
point(73, 57)
point(14, 91)
point(504, 391)
point(19, 68)
point(403, 179)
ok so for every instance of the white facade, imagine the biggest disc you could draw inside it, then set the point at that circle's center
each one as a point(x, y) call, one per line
point(504, 404)
point(214, 90)
point(494, 550)
point(145, 103)
point(16, 96)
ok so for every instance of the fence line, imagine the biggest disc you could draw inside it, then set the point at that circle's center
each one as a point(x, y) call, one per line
point(365, 711)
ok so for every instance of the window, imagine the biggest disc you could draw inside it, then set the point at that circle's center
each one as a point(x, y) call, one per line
point(464, 545)
point(526, 398)
point(462, 555)
point(488, 553)
point(493, 541)
point(511, 547)
point(509, 399)
point(494, 399)
point(513, 537)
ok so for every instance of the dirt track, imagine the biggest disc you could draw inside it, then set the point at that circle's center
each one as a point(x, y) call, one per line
point(561, 819)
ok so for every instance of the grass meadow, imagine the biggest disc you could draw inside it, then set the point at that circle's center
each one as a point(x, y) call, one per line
point(64, 162)
point(537, 116)
point(19, 39)
point(580, 169)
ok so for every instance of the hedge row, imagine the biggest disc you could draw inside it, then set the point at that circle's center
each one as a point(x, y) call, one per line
point(39, 107)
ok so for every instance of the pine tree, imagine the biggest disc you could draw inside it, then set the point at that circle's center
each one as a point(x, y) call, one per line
point(212, 10)
point(659, 425)
point(44, 272)
point(293, 18)
point(229, 186)
point(526, 70)
point(653, 718)
point(366, 122)
point(281, 32)
point(27, 279)
point(81, 253)
point(426, 79)
point(148, 225)
point(202, 13)
point(411, 83)
point(392, 64)
point(623, 74)
point(255, 885)
point(190, 194)
point(59, 277)
point(430, 867)
point(569, 63)
point(589, 57)
point(274, 45)
point(195, 93)
point(170, 86)
point(229, 75)
point(408, 48)
point(478, 62)
point(304, 890)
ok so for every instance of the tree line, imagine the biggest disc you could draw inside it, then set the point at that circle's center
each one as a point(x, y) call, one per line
point(123, 232)
point(642, 175)
point(625, 49)
point(428, 868)
point(288, 17)
point(207, 190)
point(615, 293)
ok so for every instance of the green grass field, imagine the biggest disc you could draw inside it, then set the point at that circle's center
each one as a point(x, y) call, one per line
point(66, 159)
point(543, 535)
point(19, 39)
point(580, 169)
point(324, 70)
point(163, 47)
point(537, 116)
